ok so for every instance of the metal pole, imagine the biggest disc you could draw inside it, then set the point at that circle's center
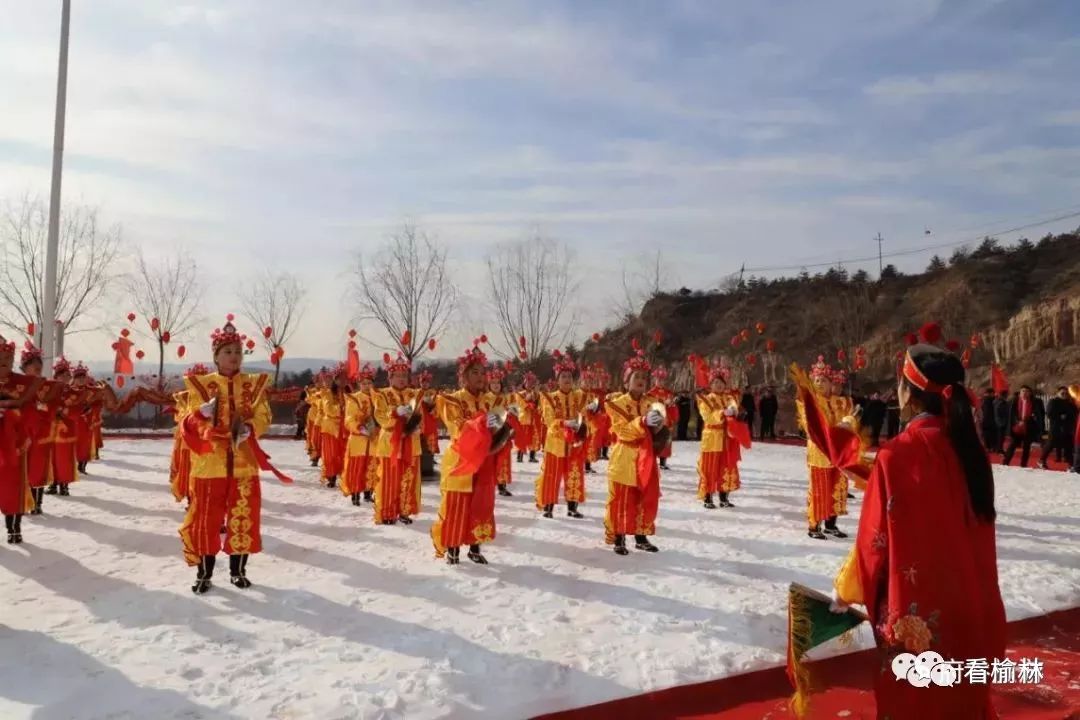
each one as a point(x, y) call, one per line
point(52, 247)
point(880, 267)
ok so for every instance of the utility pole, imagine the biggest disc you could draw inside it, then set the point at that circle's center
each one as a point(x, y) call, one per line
point(880, 265)
point(48, 322)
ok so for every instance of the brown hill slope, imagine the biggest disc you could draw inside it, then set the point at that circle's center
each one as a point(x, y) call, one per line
point(1023, 303)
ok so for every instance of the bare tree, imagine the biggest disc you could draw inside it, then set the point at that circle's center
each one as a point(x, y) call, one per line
point(168, 292)
point(406, 289)
point(276, 301)
point(642, 280)
point(530, 287)
point(845, 316)
point(86, 264)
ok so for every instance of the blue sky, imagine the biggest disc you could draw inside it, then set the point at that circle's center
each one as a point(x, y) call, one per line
point(723, 133)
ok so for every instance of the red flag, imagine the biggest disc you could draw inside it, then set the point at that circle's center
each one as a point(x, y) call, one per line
point(472, 445)
point(701, 372)
point(840, 444)
point(998, 381)
point(739, 432)
point(122, 365)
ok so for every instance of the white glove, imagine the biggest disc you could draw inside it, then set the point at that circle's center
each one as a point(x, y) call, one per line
point(572, 424)
point(403, 411)
point(730, 412)
point(654, 419)
point(207, 408)
point(244, 434)
point(838, 606)
point(594, 406)
point(493, 421)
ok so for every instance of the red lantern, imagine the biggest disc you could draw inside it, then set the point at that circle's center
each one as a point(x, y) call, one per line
point(431, 344)
point(691, 358)
point(770, 345)
point(860, 351)
point(735, 341)
point(596, 337)
point(974, 341)
point(406, 339)
point(523, 355)
point(267, 332)
point(483, 339)
point(180, 351)
point(751, 359)
point(965, 359)
point(386, 358)
point(745, 334)
point(841, 355)
point(275, 359)
point(352, 344)
point(119, 381)
point(166, 337)
point(860, 363)
point(131, 317)
point(30, 329)
point(521, 342)
point(281, 351)
point(930, 333)
point(760, 327)
point(140, 354)
point(250, 344)
point(154, 323)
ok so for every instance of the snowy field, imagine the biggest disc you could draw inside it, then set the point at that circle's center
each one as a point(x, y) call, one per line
point(349, 620)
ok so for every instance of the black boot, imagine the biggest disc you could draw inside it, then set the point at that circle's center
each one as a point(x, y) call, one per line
point(206, 571)
point(406, 520)
point(642, 543)
point(588, 469)
point(831, 529)
point(331, 482)
point(38, 494)
point(532, 456)
point(572, 511)
point(314, 462)
point(369, 496)
point(620, 545)
point(355, 497)
point(603, 453)
point(452, 556)
point(521, 457)
point(82, 468)
point(503, 491)
point(17, 525)
point(725, 501)
point(663, 464)
point(65, 491)
point(708, 501)
point(238, 571)
point(475, 556)
point(549, 510)
point(51, 489)
point(9, 523)
point(815, 532)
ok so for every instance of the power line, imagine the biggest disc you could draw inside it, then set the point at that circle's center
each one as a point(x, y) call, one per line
point(913, 251)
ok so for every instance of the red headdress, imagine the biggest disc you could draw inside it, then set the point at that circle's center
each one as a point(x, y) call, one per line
point(80, 370)
point(529, 380)
point(821, 370)
point(366, 372)
point(61, 367)
point(563, 363)
point(839, 376)
point(717, 371)
point(398, 364)
point(29, 354)
point(659, 375)
point(197, 369)
point(636, 363)
point(496, 374)
point(472, 356)
point(424, 376)
point(7, 348)
point(226, 335)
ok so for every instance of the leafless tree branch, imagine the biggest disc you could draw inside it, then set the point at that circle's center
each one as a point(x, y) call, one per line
point(274, 300)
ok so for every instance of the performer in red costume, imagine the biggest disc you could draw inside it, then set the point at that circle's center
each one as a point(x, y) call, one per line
point(16, 391)
point(429, 426)
point(529, 424)
point(567, 435)
point(38, 418)
point(924, 562)
point(397, 411)
point(501, 400)
point(661, 393)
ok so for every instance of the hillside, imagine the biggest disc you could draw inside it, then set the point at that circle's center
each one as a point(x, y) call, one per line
point(1022, 302)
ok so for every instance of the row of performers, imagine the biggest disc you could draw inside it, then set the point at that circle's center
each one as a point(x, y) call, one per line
point(49, 430)
point(221, 415)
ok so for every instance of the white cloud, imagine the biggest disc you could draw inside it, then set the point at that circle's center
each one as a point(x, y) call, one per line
point(902, 88)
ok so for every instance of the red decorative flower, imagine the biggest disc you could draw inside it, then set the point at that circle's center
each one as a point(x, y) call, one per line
point(431, 344)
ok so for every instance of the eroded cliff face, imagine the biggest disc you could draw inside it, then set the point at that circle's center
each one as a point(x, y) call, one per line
point(1047, 326)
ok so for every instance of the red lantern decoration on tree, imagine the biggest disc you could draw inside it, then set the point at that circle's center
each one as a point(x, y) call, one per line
point(770, 345)
point(275, 359)
point(635, 344)
point(166, 337)
point(352, 344)
point(431, 344)
point(841, 356)
point(267, 332)
point(119, 381)
point(280, 350)
point(250, 344)
point(760, 327)
point(735, 341)
point(386, 358)
point(521, 342)
point(140, 354)
point(180, 351)
point(751, 359)
point(596, 337)
point(131, 317)
point(965, 359)
point(910, 339)
point(974, 341)
point(745, 334)
point(352, 333)
point(31, 329)
point(125, 332)
point(154, 323)
point(953, 346)
point(523, 355)
point(483, 339)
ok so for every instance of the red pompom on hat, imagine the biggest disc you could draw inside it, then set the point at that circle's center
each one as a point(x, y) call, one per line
point(930, 333)
point(563, 363)
point(398, 364)
point(472, 356)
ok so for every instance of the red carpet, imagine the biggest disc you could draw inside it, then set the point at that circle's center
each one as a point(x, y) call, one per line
point(1054, 639)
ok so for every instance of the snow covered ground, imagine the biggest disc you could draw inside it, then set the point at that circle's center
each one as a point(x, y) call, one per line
point(349, 620)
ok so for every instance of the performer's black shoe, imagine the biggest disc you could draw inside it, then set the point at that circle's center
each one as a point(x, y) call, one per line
point(504, 492)
point(815, 533)
point(588, 469)
point(17, 524)
point(850, 496)
point(620, 545)
point(549, 511)
point(572, 511)
point(406, 520)
point(452, 556)
point(9, 524)
point(37, 494)
point(82, 467)
point(532, 457)
point(315, 462)
point(603, 453)
point(663, 464)
point(354, 498)
point(238, 571)
point(51, 490)
point(331, 482)
point(202, 578)
point(475, 556)
point(521, 457)
point(369, 496)
point(709, 503)
point(65, 491)
point(831, 529)
point(725, 501)
point(641, 542)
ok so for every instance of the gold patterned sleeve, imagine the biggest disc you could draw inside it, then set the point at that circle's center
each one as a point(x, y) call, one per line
point(450, 413)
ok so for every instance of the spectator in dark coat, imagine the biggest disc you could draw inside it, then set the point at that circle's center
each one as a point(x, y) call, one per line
point(892, 416)
point(1061, 414)
point(749, 407)
point(1001, 419)
point(1026, 423)
point(768, 406)
point(683, 403)
point(988, 424)
point(873, 417)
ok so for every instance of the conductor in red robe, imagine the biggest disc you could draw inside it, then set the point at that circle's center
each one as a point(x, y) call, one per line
point(924, 563)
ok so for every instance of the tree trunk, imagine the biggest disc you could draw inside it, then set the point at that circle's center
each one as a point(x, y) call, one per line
point(277, 372)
